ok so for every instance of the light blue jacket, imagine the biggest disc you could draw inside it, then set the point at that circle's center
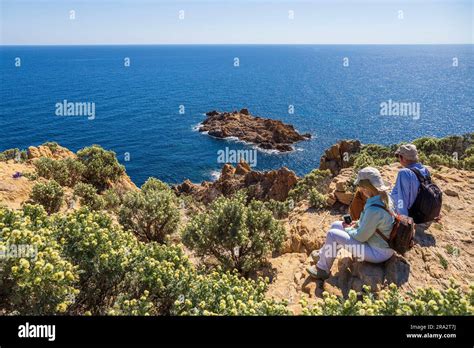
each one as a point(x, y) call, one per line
point(406, 188)
point(372, 218)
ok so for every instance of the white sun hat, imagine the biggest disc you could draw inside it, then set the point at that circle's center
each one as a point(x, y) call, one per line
point(373, 175)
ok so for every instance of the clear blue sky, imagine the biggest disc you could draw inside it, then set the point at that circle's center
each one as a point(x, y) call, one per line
point(236, 22)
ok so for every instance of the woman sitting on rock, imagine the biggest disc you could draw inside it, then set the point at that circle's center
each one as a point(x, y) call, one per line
point(360, 238)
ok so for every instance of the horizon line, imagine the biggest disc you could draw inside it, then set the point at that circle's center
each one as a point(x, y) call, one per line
point(242, 44)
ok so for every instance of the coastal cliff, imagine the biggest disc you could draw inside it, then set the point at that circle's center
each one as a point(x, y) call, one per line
point(441, 253)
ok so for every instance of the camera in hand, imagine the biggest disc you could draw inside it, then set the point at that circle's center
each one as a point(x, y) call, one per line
point(347, 219)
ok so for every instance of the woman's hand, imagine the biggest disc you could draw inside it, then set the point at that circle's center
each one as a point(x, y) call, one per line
point(352, 224)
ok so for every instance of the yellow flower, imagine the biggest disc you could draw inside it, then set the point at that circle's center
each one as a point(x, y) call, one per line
point(24, 263)
point(69, 275)
point(58, 276)
point(62, 307)
point(37, 280)
point(48, 267)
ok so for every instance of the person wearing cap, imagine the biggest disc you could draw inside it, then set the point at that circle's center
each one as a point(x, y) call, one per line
point(406, 187)
point(360, 238)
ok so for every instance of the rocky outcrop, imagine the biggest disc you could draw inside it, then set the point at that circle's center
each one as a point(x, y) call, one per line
point(339, 155)
point(274, 184)
point(340, 187)
point(265, 133)
point(57, 152)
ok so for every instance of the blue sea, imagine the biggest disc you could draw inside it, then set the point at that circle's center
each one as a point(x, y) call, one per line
point(137, 108)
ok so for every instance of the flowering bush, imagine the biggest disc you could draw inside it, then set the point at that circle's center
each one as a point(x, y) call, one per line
point(151, 213)
point(238, 235)
point(49, 195)
point(164, 271)
point(41, 280)
point(135, 306)
point(427, 301)
point(103, 252)
point(227, 293)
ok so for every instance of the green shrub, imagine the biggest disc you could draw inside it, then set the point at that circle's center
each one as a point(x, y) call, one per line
point(429, 301)
point(112, 199)
point(88, 196)
point(363, 160)
point(238, 235)
point(32, 176)
point(151, 213)
point(41, 281)
point(317, 200)
point(161, 270)
point(227, 293)
point(103, 252)
point(53, 146)
point(316, 179)
point(50, 195)
point(141, 306)
point(51, 169)
point(154, 184)
point(75, 170)
point(67, 172)
point(101, 166)
point(15, 154)
point(280, 210)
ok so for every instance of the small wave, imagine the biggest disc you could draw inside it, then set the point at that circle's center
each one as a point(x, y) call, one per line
point(197, 126)
point(215, 175)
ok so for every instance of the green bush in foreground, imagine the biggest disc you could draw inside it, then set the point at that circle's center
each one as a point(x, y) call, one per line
point(84, 264)
point(227, 294)
point(236, 234)
point(429, 301)
point(50, 195)
point(151, 213)
point(40, 280)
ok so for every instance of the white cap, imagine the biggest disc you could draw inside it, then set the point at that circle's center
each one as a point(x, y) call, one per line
point(373, 175)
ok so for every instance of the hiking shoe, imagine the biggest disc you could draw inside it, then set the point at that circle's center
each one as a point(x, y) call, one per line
point(317, 273)
point(315, 255)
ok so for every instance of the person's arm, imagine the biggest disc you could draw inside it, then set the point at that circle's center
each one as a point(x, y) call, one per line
point(367, 224)
point(401, 192)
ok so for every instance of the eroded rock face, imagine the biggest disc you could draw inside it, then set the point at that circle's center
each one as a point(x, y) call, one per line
point(274, 184)
point(59, 152)
point(339, 188)
point(338, 156)
point(265, 133)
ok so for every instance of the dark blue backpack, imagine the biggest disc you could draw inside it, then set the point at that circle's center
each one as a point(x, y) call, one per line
point(428, 202)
